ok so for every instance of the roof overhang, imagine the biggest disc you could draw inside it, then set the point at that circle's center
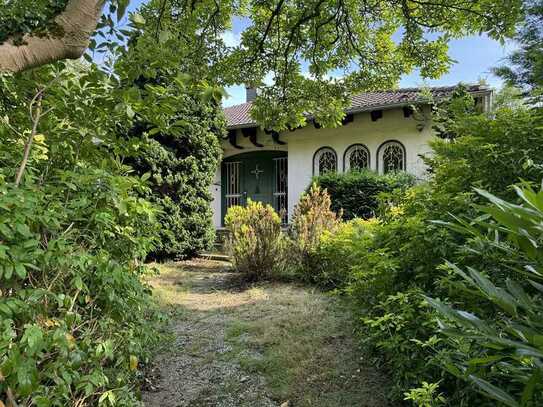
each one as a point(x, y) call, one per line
point(363, 109)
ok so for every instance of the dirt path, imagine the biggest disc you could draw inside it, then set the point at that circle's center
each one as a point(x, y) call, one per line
point(258, 346)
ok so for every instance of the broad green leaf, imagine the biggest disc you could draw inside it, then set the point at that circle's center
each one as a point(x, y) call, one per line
point(20, 270)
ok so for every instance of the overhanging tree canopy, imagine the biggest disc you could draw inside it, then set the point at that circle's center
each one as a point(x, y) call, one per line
point(315, 52)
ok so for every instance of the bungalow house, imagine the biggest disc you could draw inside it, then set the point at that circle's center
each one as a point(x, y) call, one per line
point(380, 132)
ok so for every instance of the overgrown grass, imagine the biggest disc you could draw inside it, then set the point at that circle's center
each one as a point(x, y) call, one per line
point(296, 343)
point(301, 341)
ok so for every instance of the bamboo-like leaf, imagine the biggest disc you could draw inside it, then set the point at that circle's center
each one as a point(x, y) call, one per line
point(537, 285)
point(520, 295)
point(486, 360)
point(528, 392)
point(496, 294)
point(494, 392)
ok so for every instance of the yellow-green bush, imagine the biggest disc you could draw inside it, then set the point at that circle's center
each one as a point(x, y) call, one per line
point(256, 242)
point(340, 250)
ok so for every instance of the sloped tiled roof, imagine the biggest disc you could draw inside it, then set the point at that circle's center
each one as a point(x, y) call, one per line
point(239, 116)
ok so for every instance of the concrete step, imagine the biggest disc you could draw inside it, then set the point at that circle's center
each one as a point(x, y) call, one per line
point(214, 256)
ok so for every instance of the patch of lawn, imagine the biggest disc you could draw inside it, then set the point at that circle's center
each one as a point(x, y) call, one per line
point(300, 340)
point(258, 345)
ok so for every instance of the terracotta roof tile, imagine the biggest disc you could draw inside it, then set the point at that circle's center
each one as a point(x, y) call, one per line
point(239, 116)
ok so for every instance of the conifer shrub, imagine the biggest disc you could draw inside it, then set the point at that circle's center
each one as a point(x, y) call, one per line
point(181, 158)
point(356, 193)
point(256, 242)
point(313, 216)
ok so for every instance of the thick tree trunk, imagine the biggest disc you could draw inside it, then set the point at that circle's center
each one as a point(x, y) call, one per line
point(78, 21)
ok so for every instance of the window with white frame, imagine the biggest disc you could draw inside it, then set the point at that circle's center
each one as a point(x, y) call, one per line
point(391, 157)
point(356, 158)
point(324, 160)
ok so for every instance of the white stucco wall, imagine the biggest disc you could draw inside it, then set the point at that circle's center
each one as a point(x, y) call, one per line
point(393, 126)
point(303, 143)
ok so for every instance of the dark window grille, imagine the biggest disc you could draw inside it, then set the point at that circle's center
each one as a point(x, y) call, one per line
point(280, 193)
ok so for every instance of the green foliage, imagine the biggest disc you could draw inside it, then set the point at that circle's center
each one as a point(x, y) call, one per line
point(256, 241)
point(312, 217)
point(504, 356)
point(342, 250)
point(385, 266)
point(20, 17)
point(399, 330)
point(450, 114)
point(425, 396)
point(175, 102)
point(301, 45)
point(76, 319)
point(525, 65)
point(285, 36)
point(490, 152)
point(37, 18)
point(72, 306)
point(356, 193)
point(486, 152)
point(179, 152)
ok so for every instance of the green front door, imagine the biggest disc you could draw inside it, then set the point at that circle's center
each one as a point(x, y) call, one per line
point(259, 176)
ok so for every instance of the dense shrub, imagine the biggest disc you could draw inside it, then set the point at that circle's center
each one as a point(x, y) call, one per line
point(75, 318)
point(180, 152)
point(76, 321)
point(339, 251)
point(401, 326)
point(492, 153)
point(256, 242)
point(356, 193)
point(384, 268)
point(312, 217)
point(502, 354)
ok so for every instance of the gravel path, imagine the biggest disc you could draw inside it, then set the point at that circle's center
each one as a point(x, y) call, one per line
point(194, 373)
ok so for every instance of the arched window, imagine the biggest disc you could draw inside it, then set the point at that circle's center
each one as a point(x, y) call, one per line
point(356, 157)
point(324, 160)
point(391, 157)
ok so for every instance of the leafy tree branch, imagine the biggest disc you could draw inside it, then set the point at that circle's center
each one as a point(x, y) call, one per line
point(74, 28)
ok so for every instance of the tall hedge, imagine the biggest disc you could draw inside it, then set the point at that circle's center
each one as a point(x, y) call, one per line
point(356, 192)
point(182, 158)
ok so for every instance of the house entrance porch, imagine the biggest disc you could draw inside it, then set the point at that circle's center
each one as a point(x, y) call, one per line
point(259, 176)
